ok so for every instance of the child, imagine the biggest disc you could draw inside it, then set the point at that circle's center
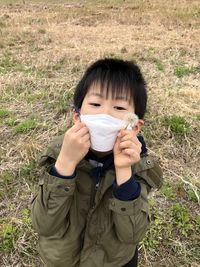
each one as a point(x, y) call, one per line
point(92, 208)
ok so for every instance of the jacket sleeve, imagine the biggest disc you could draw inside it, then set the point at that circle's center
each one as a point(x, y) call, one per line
point(132, 218)
point(50, 207)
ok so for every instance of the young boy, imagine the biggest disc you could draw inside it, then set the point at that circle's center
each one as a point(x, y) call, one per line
point(92, 208)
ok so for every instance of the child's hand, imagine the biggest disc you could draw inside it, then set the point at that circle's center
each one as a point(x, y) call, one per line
point(127, 149)
point(75, 146)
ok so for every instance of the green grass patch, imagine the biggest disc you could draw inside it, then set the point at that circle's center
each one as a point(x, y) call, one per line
point(63, 61)
point(23, 38)
point(9, 64)
point(62, 102)
point(7, 118)
point(35, 48)
point(192, 196)
point(150, 57)
point(181, 218)
point(22, 89)
point(197, 13)
point(60, 65)
point(12, 121)
point(76, 69)
point(27, 169)
point(177, 124)
point(25, 216)
point(7, 233)
point(6, 178)
point(159, 65)
point(198, 117)
point(26, 126)
point(39, 96)
point(197, 221)
point(185, 71)
point(4, 113)
point(168, 191)
point(151, 240)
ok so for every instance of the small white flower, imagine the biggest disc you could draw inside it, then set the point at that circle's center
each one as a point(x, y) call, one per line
point(131, 120)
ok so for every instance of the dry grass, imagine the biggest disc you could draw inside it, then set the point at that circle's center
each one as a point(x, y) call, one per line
point(44, 49)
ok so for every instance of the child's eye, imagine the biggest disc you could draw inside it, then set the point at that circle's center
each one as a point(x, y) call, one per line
point(119, 108)
point(94, 104)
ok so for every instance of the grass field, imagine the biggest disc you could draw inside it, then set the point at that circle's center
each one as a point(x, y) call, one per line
point(44, 48)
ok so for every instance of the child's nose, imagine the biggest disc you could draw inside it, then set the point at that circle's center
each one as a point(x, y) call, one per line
point(107, 110)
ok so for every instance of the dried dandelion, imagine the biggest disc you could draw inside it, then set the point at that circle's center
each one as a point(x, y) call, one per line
point(131, 120)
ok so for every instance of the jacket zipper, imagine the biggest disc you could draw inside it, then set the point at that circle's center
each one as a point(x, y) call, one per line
point(94, 191)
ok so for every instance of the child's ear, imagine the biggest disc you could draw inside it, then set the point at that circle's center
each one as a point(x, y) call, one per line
point(75, 116)
point(138, 126)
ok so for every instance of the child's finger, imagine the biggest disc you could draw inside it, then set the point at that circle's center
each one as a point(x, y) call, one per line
point(128, 151)
point(132, 154)
point(132, 146)
point(77, 126)
point(126, 137)
point(127, 144)
point(130, 137)
point(124, 132)
point(82, 133)
point(86, 138)
point(116, 148)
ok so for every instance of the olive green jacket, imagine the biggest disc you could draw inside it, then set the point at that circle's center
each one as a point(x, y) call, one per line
point(80, 226)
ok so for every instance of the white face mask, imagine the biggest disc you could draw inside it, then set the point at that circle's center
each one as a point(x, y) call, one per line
point(103, 130)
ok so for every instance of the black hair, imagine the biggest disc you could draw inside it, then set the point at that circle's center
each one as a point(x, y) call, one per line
point(120, 77)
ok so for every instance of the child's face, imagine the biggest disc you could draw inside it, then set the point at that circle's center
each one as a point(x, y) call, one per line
point(97, 103)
